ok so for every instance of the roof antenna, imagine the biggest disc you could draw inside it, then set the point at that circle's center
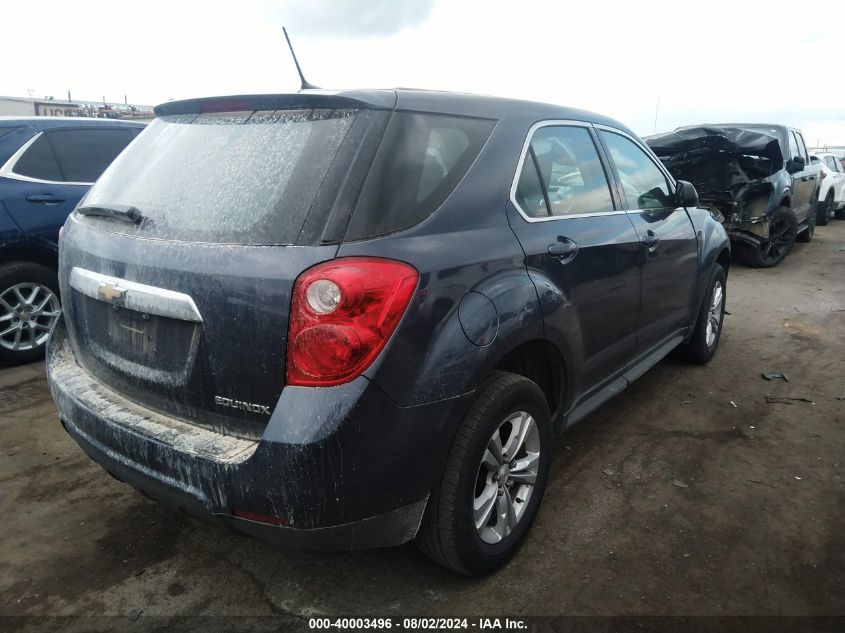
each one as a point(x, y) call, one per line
point(305, 84)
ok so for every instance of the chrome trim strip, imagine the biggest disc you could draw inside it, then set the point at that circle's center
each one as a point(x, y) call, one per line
point(135, 296)
point(7, 170)
point(524, 153)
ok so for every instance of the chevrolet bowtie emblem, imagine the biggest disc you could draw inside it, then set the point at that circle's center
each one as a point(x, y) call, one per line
point(111, 293)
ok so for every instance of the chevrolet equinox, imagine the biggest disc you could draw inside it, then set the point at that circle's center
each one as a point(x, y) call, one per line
point(343, 320)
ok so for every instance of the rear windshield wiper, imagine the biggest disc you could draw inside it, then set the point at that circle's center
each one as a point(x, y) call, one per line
point(122, 212)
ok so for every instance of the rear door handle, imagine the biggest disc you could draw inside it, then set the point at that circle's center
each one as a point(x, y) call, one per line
point(806, 178)
point(45, 197)
point(563, 248)
point(650, 239)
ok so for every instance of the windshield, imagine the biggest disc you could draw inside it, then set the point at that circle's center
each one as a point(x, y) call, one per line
point(236, 177)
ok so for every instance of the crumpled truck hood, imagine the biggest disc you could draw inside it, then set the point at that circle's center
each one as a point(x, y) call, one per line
point(751, 141)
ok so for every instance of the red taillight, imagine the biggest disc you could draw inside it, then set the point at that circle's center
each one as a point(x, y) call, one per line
point(342, 314)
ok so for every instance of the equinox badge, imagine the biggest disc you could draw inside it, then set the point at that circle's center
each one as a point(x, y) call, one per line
point(243, 406)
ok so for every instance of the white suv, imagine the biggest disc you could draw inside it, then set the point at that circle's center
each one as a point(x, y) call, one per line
point(832, 189)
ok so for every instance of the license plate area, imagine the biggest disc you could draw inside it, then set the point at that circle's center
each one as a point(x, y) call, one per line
point(144, 347)
point(135, 332)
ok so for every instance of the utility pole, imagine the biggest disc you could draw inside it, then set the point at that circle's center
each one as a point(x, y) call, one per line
point(68, 96)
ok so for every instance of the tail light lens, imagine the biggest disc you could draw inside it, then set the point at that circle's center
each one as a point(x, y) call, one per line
point(342, 314)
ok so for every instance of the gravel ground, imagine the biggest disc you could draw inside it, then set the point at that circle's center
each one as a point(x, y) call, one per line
point(690, 494)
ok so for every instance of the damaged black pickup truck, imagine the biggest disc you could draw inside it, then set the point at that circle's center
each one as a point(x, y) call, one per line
point(758, 177)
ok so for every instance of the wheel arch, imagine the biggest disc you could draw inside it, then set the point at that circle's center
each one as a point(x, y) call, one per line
point(724, 259)
point(36, 252)
point(542, 362)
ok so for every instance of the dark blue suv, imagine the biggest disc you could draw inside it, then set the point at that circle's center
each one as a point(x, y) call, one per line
point(351, 319)
point(46, 166)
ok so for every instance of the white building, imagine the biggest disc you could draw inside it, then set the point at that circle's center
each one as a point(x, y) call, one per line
point(21, 106)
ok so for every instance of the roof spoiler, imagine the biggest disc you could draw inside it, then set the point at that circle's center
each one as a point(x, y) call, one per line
point(372, 100)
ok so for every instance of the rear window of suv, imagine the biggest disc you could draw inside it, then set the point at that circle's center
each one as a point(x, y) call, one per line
point(234, 177)
point(256, 177)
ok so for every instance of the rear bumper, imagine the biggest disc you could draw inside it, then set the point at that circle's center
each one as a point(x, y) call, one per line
point(355, 481)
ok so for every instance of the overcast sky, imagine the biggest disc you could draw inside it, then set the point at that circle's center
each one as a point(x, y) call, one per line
point(705, 61)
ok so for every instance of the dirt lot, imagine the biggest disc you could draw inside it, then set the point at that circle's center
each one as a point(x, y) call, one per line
point(690, 494)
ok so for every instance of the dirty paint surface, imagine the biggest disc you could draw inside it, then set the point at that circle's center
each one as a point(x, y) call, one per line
point(758, 529)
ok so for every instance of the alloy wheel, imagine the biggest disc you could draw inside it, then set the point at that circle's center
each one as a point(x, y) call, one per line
point(28, 312)
point(506, 477)
point(779, 239)
point(714, 314)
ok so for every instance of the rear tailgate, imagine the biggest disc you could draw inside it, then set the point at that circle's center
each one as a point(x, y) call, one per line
point(185, 310)
point(127, 307)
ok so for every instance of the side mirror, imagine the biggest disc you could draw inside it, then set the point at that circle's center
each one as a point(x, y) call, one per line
point(795, 165)
point(685, 194)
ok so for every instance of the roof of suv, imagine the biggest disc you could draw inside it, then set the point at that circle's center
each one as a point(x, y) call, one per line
point(434, 101)
point(44, 122)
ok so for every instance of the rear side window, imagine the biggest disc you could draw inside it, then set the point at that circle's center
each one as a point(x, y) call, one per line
point(72, 155)
point(38, 161)
point(238, 177)
point(643, 183)
point(84, 154)
point(421, 159)
point(562, 175)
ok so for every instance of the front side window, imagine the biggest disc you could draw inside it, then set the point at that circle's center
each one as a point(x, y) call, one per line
point(643, 183)
point(802, 147)
point(794, 152)
point(562, 175)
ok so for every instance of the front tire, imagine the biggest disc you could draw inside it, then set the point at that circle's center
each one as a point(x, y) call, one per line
point(488, 495)
point(825, 210)
point(783, 230)
point(29, 307)
point(708, 327)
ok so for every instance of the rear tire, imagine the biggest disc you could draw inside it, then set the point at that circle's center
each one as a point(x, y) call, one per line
point(825, 210)
point(24, 327)
point(474, 521)
point(783, 229)
point(807, 234)
point(708, 327)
